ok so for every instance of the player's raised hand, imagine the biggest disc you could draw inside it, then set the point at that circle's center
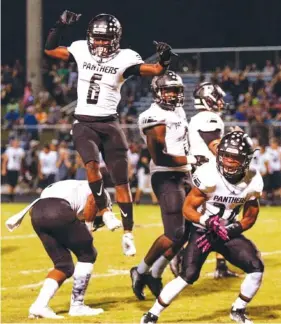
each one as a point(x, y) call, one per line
point(214, 225)
point(165, 53)
point(69, 18)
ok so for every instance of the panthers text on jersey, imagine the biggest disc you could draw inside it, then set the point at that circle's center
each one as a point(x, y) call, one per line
point(205, 121)
point(176, 133)
point(99, 84)
point(224, 198)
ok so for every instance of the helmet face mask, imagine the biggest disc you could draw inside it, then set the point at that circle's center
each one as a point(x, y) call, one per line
point(168, 90)
point(103, 37)
point(208, 96)
point(234, 155)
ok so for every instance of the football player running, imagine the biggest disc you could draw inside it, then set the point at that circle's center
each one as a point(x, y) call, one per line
point(56, 218)
point(164, 128)
point(102, 69)
point(219, 192)
point(206, 129)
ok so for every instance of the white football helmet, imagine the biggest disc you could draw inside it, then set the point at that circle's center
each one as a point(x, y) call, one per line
point(208, 96)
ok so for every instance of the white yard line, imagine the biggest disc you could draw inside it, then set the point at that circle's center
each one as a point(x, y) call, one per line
point(110, 273)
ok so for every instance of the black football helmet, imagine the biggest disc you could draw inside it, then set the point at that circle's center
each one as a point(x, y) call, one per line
point(168, 90)
point(208, 96)
point(234, 155)
point(104, 27)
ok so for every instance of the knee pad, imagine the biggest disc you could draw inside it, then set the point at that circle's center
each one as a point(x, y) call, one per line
point(66, 267)
point(255, 265)
point(117, 164)
point(88, 255)
point(190, 274)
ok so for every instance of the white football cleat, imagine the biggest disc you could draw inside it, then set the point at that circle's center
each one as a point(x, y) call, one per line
point(36, 311)
point(110, 221)
point(84, 310)
point(128, 244)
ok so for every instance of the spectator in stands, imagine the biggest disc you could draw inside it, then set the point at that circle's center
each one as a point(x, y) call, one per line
point(41, 115)
point(43, 96)
point(12, 165)
point(274, 165)
point(54, 114)
point(31, 164)
point(143, 176)
point(79, 168)
point(31, 122)
point(269, 68)
point(73, 75)
point(277, 85)
point(258, 84)
point(133, 157)
point(47, 168)
point(28, 95)
point(63, 162)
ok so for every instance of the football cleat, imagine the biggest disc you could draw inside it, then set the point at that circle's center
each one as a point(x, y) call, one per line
point(128, 244)
point(36, 312)
point(224, 273)
point(84, 310)
point(110, 221)
point(138, 283)
point(154, 284)
point(149, 318)
point(239, 316)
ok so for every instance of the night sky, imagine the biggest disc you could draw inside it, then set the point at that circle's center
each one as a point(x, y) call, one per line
point(181, 23)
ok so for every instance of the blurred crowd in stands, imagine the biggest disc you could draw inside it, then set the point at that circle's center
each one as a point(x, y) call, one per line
point(253, 95)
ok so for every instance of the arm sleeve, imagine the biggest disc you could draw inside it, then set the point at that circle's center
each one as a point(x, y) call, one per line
point(208, 137)
point(133, 70)
point(54, 37)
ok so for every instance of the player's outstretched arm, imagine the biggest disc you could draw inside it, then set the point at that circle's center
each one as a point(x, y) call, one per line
point(193, 200)
point(52, 47)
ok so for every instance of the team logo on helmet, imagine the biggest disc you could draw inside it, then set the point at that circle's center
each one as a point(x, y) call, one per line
point(103, 37)
point(234, 155)
point(168, 90)
point(208, 96)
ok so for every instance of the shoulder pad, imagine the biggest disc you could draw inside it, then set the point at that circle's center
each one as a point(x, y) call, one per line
point(149, 119)
point(76, 47)
point(131, 57)
point(204, 178)
point(207, 121)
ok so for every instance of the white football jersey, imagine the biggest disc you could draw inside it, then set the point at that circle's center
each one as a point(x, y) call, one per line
point(15, 156)
point(224, 198)
point(99, 84)
point(274, 159)
point(176, 133)
point(74, 191)
point(205, 121)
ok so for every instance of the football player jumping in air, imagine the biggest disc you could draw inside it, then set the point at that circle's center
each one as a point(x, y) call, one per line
point(164, 128)
point(220, 191)
point(102, 69)
point(205, 131)
point(55, 217)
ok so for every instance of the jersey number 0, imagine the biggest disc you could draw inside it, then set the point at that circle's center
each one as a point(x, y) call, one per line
point(94, 89)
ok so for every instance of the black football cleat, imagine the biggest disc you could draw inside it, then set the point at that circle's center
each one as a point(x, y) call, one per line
point(225, 273)
point(154, 284)
point(138, 283)
point(149, 318)
point(239, 316)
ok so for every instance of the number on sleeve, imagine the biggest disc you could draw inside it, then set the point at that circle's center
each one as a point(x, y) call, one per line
point(94, 89)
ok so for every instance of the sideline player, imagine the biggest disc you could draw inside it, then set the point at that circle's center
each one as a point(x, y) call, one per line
point(164, 128)
point(55, 219)
point(205, 131)
point(102, 69)
point(219, 193)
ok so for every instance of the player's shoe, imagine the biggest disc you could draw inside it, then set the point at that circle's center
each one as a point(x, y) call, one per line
point(239, 316)
point(98, 223)
point(110, 221)
point(154, 284)
point(128, 244)
point(138, 283)
point(84, 310)
point(36, 312)
point(225, 273)
point(149, 318)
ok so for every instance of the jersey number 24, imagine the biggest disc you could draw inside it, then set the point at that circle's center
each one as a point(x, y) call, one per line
point(94, 89)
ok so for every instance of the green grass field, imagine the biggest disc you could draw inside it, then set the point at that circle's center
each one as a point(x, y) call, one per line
point(25, 265)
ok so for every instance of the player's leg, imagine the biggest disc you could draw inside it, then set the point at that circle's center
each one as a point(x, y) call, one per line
point(87, 142)
point(115, 156)
point(77, 238)
point(193, 260)
point(242, 253)
point(45, 215)
point(12, 179)
point(222, 270)
point(169, 190)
